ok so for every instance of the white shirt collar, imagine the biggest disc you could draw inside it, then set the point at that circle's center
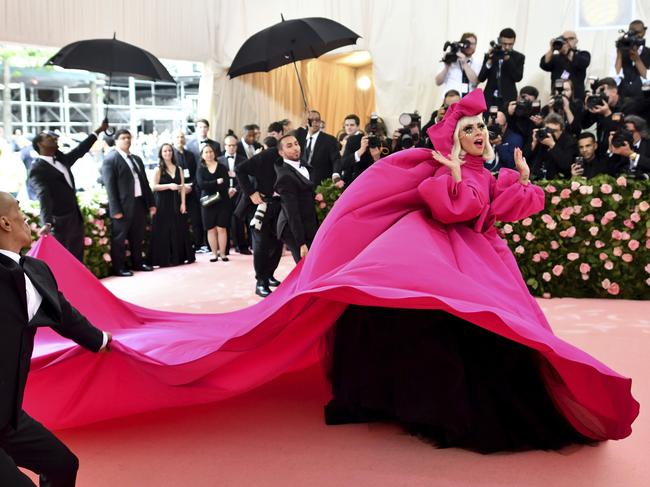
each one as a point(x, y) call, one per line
point(49, 159)
point(123, 154)
point(294, 164)
point(313, 136)
point(12, 255)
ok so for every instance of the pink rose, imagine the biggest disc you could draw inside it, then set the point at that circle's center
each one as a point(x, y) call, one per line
point(557, 270)
point(596, 202)
point(530, 237)
point(617, 251)
point(527, 222)
point(621, 181)
point(551, 226)
point(88, 241)
point(573, 256)
point(537, 258)
point(588, 218)
point(550, 189)
point(586, 189)
point(546, 218)
point(507, 228)
point(647, 281)
point(602, 256)
point(647, 268)
point(515, 238)
point(577, 209)
point(571, 231)
point(613, 289)
point(637, 194)
point(555, 245)
point(635, 217)
point(555, 200)
point(339, 184)
point(585, 277)
point(593, 231)
point(599, 244)
point(546, 276)
point(101, 212)
point(565, 193)
point(322, 205)
point(617, 197)
point(625, 236)
point(574, 185)
point(606, 283)
point(584, 268)
point(566, 213)
point(106, 257)
point(628, 223)
point(610, 215)
point(519, 250)
point(609, 265)
point(103, 241)
point(644, 205)
point(616, 235)
point(319, 197)
point(605, 188)
point(543, 254)
point(647, 244)
point(627, 258)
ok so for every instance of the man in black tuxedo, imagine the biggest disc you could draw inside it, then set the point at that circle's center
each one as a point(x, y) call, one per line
point(187, 161)
point(231, 159)
point(256, 178)
point(502, 68)
point(249, 143)
point(196, 144)
point(30, 298)
point(319, 150)
point(297, 223)
point(129, 199)
point(52, 179)
point(633, 155)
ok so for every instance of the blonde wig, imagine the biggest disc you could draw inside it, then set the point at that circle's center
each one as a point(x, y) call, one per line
point(457, 152)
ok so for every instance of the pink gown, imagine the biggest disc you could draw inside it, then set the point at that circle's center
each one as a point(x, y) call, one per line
point(397, 238)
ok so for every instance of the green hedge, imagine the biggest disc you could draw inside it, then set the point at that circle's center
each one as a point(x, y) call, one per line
point(591, 240)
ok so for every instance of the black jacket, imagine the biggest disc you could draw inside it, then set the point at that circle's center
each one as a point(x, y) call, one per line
point(119, 183)
point(207, 183)
point(242, 152)
point(325, 159)
point(193, 147)
point(17, 333)
point(553, 163)
point(576, 68)
point(631, 82)
point(621, 164)
point(56, 197)
point(256, 174)
point(512, 70)
point(297, 200)
point(349, 165)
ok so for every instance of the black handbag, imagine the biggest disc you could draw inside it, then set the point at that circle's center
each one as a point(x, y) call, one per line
point(210, 199)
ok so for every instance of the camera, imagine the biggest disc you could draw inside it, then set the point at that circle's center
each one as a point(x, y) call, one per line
point(629, 41)
point(373, 139)
point(558, 95)
point(498, 52)
point(579, 162)
point(542, 134)
point(558, 42)
point(408, 120)
point(596, 100)
point(494, 129)
point(452, 49)
point(258, 218)
point(526, 108)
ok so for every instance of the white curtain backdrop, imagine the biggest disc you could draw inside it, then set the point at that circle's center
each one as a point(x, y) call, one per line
point(404, 37)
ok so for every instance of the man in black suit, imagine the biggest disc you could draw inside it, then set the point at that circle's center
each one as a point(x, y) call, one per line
point(633, 155)
point(567, 63)
point(52, 179)
point(319, 150)
point(502, 68)
point(552, 149)
point(249, 143)
point(297, 223)
point(231, 159)
point(632, 60)
point(129, 199)
point(256, 178)
point(196, 144)
point(30, 298)
point(591, 164)
point(187, 161)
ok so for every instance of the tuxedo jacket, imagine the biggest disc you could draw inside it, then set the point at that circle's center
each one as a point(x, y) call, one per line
point(242, 152)
point(17, 332)
point(119, 183)
point(512, 70)
point(56, 197)
point(326, 158)
point(233, 182)
point(349, 165)
point(297, 200)
point(193, 147)
point(256, 174)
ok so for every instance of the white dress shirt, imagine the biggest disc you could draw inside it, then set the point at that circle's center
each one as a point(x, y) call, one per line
point(59, 166)
point(454, 77)
point(301, 169)
point(137, 189)
point(34, 298)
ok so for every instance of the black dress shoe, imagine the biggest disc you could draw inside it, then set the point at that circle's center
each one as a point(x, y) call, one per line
point(261, 289)
point(225, 259)
point(144, 268)
point(245, 252)
point(123, 273)
point(214, 259)
point(273, 282)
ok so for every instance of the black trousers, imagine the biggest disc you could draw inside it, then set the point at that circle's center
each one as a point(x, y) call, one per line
point(267, 248)
point(194, 211)
point(129, 227)
point(35, 448)
point(287, 238)
point(69, 231)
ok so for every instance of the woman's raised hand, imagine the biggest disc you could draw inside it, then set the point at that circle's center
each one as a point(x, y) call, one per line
point(452, 164)
point(522, 166)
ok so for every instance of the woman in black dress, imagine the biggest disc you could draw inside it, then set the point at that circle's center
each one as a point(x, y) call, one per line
point(170, 238)
point(212, 178)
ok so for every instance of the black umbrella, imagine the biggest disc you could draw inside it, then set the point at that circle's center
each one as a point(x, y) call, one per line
point(290, 41)
point(111, 57)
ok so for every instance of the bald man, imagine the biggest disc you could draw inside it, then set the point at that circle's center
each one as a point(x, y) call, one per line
point(567, 62)
point(29, 298)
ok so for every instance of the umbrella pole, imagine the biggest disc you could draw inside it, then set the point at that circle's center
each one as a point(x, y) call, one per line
point(110, 130)
point(302, 91)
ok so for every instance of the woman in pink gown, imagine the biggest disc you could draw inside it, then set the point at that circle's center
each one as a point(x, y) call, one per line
point(427, 318)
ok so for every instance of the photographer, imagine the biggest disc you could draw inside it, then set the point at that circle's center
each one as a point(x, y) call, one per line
point(588, 163)
point(551, 150)
point(564, 61)
point(599, 108)
point(460, 68)
point(503, 140)
point(632, 59)
point(564, 104)
point(630, 149)
point(524, 114)
point(451, 96)
point(409, 135)
point(362, 151)
point(502, 67)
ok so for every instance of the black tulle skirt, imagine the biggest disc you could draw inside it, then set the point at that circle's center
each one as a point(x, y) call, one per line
point(442, 378)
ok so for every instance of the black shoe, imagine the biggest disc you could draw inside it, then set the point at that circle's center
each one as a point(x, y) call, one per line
point(144, 268)
point(214, 259)
point(225, 259)
point(123, 273)
point(245, 252)
point(273, 282)
point(262, 289)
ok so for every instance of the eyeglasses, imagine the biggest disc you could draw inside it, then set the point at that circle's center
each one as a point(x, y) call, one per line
point(469, 129)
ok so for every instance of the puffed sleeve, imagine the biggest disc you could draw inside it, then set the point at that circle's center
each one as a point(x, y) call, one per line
point(511, 200)
point(450, 201)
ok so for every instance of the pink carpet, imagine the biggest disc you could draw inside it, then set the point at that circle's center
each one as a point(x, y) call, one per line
point(275, 435)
